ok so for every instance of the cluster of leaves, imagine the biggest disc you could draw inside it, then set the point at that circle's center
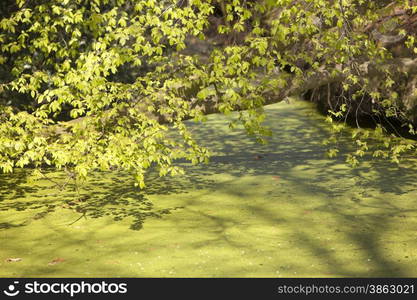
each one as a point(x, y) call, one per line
point(65, 101)
point(65, 58)
point(374, 82)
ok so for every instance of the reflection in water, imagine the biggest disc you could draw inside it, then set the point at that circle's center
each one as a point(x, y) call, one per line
point(280, 209)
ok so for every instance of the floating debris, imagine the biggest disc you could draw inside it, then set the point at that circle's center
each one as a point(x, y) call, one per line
point(9, 260)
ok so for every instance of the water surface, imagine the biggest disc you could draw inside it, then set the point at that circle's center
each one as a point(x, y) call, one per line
point(276, 210)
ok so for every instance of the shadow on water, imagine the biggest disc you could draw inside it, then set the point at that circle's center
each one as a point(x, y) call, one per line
point(294, 149)
point(296, 145)
point(93, 199)
point(14, 185)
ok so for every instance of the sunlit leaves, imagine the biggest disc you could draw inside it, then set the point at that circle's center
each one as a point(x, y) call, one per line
point(70, 59)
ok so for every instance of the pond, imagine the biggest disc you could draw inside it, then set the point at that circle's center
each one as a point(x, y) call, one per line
point(276, 210)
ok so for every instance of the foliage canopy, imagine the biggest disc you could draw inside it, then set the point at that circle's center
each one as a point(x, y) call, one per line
point(100, 84)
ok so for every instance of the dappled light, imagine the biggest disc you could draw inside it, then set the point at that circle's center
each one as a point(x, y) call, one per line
point(277, 210)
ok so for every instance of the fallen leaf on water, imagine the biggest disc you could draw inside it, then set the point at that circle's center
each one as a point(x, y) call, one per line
point(56, 261)
point(13, 259)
